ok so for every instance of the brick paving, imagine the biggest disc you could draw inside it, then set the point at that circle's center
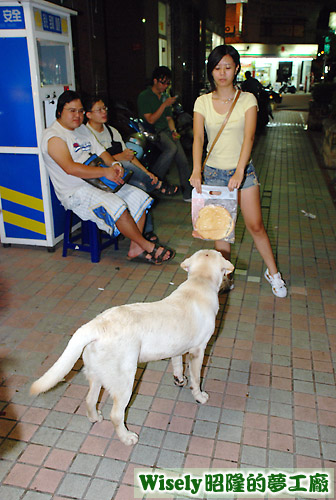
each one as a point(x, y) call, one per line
point(269, 367)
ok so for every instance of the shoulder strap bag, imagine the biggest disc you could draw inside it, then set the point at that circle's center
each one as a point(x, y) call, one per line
point(222, 128)
point(116, 147)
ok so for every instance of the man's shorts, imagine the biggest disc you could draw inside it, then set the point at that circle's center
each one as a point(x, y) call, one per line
point(103, 208)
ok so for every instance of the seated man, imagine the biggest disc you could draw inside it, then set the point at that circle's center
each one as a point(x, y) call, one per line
point(109, 137)
point(156, 110)
point(66, 144)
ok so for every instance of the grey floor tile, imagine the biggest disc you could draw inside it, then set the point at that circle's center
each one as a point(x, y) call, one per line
point(281, 360)
point(70, 440)
point(257, 406)
point(152, 437)
point(57, 419)
point(230, 433)
point(305, 429)
point(209, 413)
point(141, 402)
point(329, 451)
point(102, 489)
point(324, 378)
point(308, 447)
point(280, 396)
point(144, 455)
point(10, 493)
point(170, 459)
point(175, 441)
point(73, 486)
point(261, 357)
point(205, 429)
point(328, 434)
point(240, 366)
point(217, 373)
point(299, 374)
point(326, 390)
point(281, 410)
point(136, 416)
point(35, 495)
point(301, 386)
point(281, 350)
point(79, 423)
point(260, 392)
point(166, 391)
point(253, 455)
point(84, 464)
point(280, 459)
point(110, 469)
point(46, 436)
point(238, 377)
point(232, 417)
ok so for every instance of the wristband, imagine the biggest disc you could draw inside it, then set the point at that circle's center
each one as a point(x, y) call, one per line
point(116, 163)
point(174, 130)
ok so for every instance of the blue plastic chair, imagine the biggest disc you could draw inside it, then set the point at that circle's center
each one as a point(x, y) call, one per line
point(93, 240)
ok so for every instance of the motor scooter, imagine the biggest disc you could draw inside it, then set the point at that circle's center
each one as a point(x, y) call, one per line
point(184, 126)
point(287, 88)
point(137, 134)
point(265, 109)
point(274, 96)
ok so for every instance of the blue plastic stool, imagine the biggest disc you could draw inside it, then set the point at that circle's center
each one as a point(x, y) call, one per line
point(93, 240)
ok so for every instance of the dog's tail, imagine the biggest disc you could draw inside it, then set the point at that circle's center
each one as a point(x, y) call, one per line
point(81, 338)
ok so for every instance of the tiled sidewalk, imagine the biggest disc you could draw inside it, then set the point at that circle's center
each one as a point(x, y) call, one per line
point(269, 368)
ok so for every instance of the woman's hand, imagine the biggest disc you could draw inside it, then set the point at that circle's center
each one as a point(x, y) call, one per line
point(126, 155)
point(236, 180)
point(196, 181)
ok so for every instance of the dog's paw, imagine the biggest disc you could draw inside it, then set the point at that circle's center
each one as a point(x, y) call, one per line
point(202, 397)
point(130, 438)
point(180, 382)
point(97, 417)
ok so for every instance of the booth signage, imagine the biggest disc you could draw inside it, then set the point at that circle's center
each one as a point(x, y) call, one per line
point(12, 18)
point(50, 22)
point(38, 68)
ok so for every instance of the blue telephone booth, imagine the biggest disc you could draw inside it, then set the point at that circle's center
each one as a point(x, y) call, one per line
point(37, 64)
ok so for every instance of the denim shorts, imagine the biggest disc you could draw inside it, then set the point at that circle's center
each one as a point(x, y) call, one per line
point(218, 177)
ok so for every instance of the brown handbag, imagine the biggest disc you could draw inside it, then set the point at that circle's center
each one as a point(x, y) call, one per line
point(222, 128)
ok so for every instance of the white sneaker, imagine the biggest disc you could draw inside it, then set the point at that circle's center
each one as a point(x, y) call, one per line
point(278, 285)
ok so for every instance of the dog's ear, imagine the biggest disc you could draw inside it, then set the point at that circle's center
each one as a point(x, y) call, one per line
point(228, 266)
point(186, 264)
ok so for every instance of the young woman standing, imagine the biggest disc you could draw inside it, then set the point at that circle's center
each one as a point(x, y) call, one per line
point(229, 164)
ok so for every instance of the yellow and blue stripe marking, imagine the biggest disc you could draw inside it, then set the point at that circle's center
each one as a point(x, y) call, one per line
point(23, 214)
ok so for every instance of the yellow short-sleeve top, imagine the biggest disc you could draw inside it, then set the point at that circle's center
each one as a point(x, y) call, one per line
point(226, 152)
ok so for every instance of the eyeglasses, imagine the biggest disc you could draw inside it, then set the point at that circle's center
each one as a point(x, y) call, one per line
point(164, 82)
point(75, 110)
point(99, 110)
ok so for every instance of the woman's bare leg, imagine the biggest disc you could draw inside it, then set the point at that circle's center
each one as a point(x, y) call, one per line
point(249, 201)
point(224, 248)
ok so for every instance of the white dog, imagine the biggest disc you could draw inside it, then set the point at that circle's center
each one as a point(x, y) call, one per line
point(117, 339)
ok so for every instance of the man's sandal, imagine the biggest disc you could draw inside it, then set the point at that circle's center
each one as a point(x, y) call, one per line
point(166, 189)
point(157, 261)
point(151, 236)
